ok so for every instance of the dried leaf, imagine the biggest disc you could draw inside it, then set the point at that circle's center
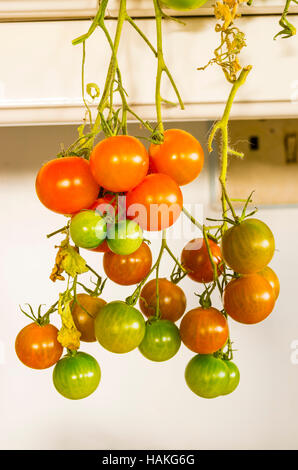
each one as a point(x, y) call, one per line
point(69, 260)
point(68, 335)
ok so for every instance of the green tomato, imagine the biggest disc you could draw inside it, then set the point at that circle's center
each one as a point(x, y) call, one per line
point(119, 328)
point(248, 247)
point(125, 237)
point(88, 229)
point(161, 341)
point(234, 378)
point(183, 4)
point(76, 375)
point(207, 376)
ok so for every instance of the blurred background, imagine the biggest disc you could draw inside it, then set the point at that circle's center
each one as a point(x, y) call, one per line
point(139, 404)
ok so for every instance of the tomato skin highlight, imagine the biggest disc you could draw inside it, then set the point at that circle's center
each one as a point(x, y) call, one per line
point(127, 270)
point(119, 163)
point(37, 346)
point(125, 237)
point(88, 229)
point(248, 247)
point(249, 299)
point(155, 203)
point(204, 330)
point(119, 328)
point(234, 378)
point(207, 376)
point(183, 5)
point(66, 185)
point(196, 261)
point(172, 300)
point(76, 376)
point(84, 321)
point(161, 341)
point(272, 278)
point(180, 156)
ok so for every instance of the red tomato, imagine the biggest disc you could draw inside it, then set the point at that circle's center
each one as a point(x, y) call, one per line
point(66, 185)
point(196, 261)
point(156, 203)
point(272, 278)
point(119, 163)
point(204, 330)
point(180, 156)
point(128, 269)
point(249, 299)
point(37, 346)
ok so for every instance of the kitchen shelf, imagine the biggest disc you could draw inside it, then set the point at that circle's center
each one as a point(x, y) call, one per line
point(40, 83)
point(48, 9)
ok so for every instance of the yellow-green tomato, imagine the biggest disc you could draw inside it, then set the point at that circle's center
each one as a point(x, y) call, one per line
point(88, 229)
point(125, 237)
point(76, 375)
point(161, 341)
point(207, 376)
point(119, 328)
point(234, 378)
point(183, 5)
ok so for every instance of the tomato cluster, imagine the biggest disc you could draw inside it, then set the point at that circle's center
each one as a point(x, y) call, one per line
point(110, 200)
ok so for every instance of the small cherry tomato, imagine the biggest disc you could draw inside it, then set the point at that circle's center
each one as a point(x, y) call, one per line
point(125, 237)
point(84, 312)
point(195, 259)
point(88, 229)
point(180, 156)
point(66, 185)
point(204, 330)
point(272, 278)
point(128, 269)
point(161, 341)
point(234, 378)
point(119, 163)
point(37, 346)
point(76, 375)
point(155, 203)
point(172, 300)
point(119, 328)
point(248, 247)
point(249, 299)
point(207, 376)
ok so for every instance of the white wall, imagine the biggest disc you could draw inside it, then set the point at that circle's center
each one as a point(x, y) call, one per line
point(139, 404)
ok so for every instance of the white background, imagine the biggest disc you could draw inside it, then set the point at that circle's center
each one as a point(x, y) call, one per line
point(139, 404)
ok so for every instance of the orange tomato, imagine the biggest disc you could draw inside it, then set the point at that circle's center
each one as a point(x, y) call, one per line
point(195, 259)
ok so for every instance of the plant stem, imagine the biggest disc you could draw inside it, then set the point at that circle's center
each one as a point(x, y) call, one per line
point(197, 224)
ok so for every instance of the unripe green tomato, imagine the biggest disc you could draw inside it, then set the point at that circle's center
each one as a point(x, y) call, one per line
point(183, 5)
point(161, 341)
point(125, 237)
point(207, 376)
point(234, 378)
point(88, 229)
point(119, 327)
point(76, 375)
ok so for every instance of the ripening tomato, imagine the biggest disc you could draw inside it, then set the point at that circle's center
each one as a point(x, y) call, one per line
point(88, 229)
point(248, 247)
point(66, 185)
point(207, 376)
point(128, 269)
point(119, 328)
point(204, 330)
point(234, 378)
point(155, 203)
point(119, 163)
point(172, 300)
point(76, 375)
point(84, 312)
point(183, 5)
point(37, 346)
point(125, 237)
point(249, 299)
point(195, 259)
point(161, 341)
point(180, 156)
point(272, 278)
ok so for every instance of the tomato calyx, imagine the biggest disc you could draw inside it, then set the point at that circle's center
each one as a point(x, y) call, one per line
point(205, 297)
point(40, 319)
point(71, 352)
